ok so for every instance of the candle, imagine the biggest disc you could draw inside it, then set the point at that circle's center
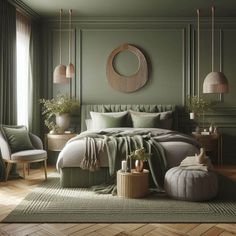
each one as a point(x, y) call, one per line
point(124, 166)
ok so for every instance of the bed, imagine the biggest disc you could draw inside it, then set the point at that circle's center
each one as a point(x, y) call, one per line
point(70, 159)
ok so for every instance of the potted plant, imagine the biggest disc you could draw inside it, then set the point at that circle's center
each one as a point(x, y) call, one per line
point(196, 106)
point(140, 155)
point(57, 112)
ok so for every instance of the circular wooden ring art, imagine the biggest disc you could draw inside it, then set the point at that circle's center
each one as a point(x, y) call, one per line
point(127, 83)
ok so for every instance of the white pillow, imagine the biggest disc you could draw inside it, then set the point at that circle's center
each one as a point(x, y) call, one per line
point(89, 124)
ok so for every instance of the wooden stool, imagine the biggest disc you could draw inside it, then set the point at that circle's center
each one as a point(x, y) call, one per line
point(132, 185)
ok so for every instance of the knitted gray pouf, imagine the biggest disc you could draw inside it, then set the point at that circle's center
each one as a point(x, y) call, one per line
point(191, 185)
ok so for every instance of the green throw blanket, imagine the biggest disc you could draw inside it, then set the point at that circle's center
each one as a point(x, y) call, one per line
point(119, 143)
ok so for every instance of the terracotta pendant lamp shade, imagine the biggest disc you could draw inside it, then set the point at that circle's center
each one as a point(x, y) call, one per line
point(70, 69)
point(215, 82)
point(59, 74)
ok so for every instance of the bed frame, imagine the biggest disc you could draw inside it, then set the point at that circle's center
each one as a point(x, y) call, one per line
point(75, 176)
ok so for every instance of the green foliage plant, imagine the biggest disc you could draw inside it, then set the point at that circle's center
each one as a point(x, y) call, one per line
point(197, 104)
point(140, 154)
point(56, 106)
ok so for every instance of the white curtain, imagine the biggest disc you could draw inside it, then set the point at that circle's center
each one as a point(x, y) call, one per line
point(23, 30)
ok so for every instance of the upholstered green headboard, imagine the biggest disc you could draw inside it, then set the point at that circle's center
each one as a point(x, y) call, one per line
point(86, 108)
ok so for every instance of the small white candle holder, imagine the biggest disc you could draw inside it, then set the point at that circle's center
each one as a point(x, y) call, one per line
point(124, 166)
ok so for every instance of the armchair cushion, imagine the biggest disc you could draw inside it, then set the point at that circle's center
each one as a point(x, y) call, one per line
point(29, 155)
point(18, 139)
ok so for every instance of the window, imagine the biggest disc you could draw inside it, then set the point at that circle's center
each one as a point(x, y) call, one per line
point(23, 29)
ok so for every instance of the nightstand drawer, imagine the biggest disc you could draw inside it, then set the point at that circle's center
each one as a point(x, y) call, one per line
point(210, 144)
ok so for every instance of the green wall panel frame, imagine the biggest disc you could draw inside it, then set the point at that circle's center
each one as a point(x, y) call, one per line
point(165, 60)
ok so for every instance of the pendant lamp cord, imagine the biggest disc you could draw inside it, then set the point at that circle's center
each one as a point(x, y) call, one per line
point(198, 53)
point(60, 34)
point(70, 12)
point(212, 36)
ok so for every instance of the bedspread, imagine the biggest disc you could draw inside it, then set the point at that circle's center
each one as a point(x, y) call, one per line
point(114, 140)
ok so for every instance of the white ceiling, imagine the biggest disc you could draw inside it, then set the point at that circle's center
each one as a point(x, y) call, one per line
point(133, 8)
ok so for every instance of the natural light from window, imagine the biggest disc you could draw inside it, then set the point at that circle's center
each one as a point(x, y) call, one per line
point(22, 45)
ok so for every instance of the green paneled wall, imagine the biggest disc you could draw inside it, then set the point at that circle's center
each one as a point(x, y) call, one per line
point(170, 49)
point(155, 44)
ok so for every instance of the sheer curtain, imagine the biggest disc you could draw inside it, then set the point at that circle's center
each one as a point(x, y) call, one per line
point(23, 30)
point(35, 80)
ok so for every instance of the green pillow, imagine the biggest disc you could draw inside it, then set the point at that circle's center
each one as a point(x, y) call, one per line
point(18, 139)
point(145, 121)
point(108, 120)
point(166, 118)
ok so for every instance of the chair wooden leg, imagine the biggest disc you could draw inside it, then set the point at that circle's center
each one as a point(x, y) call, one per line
point(9, 165)
point(45, 169)
point(28, 168)
point(23, 170)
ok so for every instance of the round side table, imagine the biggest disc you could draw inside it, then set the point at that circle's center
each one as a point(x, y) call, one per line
point(132, 184)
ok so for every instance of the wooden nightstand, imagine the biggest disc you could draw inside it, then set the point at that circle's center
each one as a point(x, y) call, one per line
point(56, 142)
point(212, 144)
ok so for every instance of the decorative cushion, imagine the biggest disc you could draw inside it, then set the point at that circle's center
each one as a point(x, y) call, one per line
point(108, 120)
point(18, 139)
point(166, 118)
point(191, 185)
point(145, 120)
point(29, 155)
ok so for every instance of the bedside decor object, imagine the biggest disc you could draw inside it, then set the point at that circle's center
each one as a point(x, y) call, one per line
point(124, 166)
point(70, 69)
point(140, 155)
point(59, 74)
point(202, 156)
point(127, 83)
point(212, 143)
point(197, 130)
point(192, 115)
point(215, 82)
point(215, 130)
point(211, 128)
point(57, 112)
point(63, 121)
point(197, 105)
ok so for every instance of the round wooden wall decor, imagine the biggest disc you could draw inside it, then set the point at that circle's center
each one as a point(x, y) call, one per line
point(127, 83)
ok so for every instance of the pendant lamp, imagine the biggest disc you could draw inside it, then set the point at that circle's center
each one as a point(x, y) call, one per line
point(215, 82)
point(70, 69)
point(59, 74)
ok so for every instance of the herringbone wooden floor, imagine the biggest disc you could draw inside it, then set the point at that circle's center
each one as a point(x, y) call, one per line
point(12, 192)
